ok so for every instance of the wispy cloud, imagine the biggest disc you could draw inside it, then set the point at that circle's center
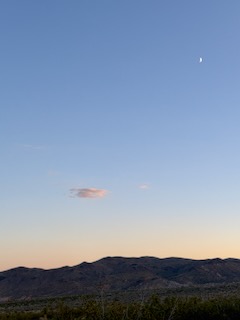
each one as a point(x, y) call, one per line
point(88, 193)
point(144, 186)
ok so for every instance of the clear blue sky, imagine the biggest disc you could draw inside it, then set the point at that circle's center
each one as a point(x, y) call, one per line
point(115, 139)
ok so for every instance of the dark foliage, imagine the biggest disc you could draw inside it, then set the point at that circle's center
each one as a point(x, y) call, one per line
point(154, 308)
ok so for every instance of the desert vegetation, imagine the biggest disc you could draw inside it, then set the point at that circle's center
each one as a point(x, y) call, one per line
point(153, 308)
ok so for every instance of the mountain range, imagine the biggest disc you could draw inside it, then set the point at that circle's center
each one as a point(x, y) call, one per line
point(113, 274)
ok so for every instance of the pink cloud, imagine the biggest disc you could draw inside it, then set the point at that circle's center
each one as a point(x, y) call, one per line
point(88, 193)
point(144, 186)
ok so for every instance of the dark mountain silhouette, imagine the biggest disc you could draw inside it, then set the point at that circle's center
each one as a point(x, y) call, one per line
point(116, 274)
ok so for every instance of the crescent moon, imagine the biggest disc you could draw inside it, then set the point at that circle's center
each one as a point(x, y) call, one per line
point(200, 60)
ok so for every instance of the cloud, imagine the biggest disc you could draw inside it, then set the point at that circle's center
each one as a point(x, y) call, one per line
point(88, 193)
point(144, 186)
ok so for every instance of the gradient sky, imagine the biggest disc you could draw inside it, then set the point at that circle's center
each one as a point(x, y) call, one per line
point(115, 139)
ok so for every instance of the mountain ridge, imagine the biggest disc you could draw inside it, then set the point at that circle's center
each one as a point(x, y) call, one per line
point(116, 273)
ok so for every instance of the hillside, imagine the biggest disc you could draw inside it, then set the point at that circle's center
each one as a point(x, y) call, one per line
point(116, 274)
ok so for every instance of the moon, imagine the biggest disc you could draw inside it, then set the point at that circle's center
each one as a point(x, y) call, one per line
point(200, 60)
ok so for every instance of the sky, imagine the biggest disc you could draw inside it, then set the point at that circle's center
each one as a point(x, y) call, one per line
point(119, 130)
